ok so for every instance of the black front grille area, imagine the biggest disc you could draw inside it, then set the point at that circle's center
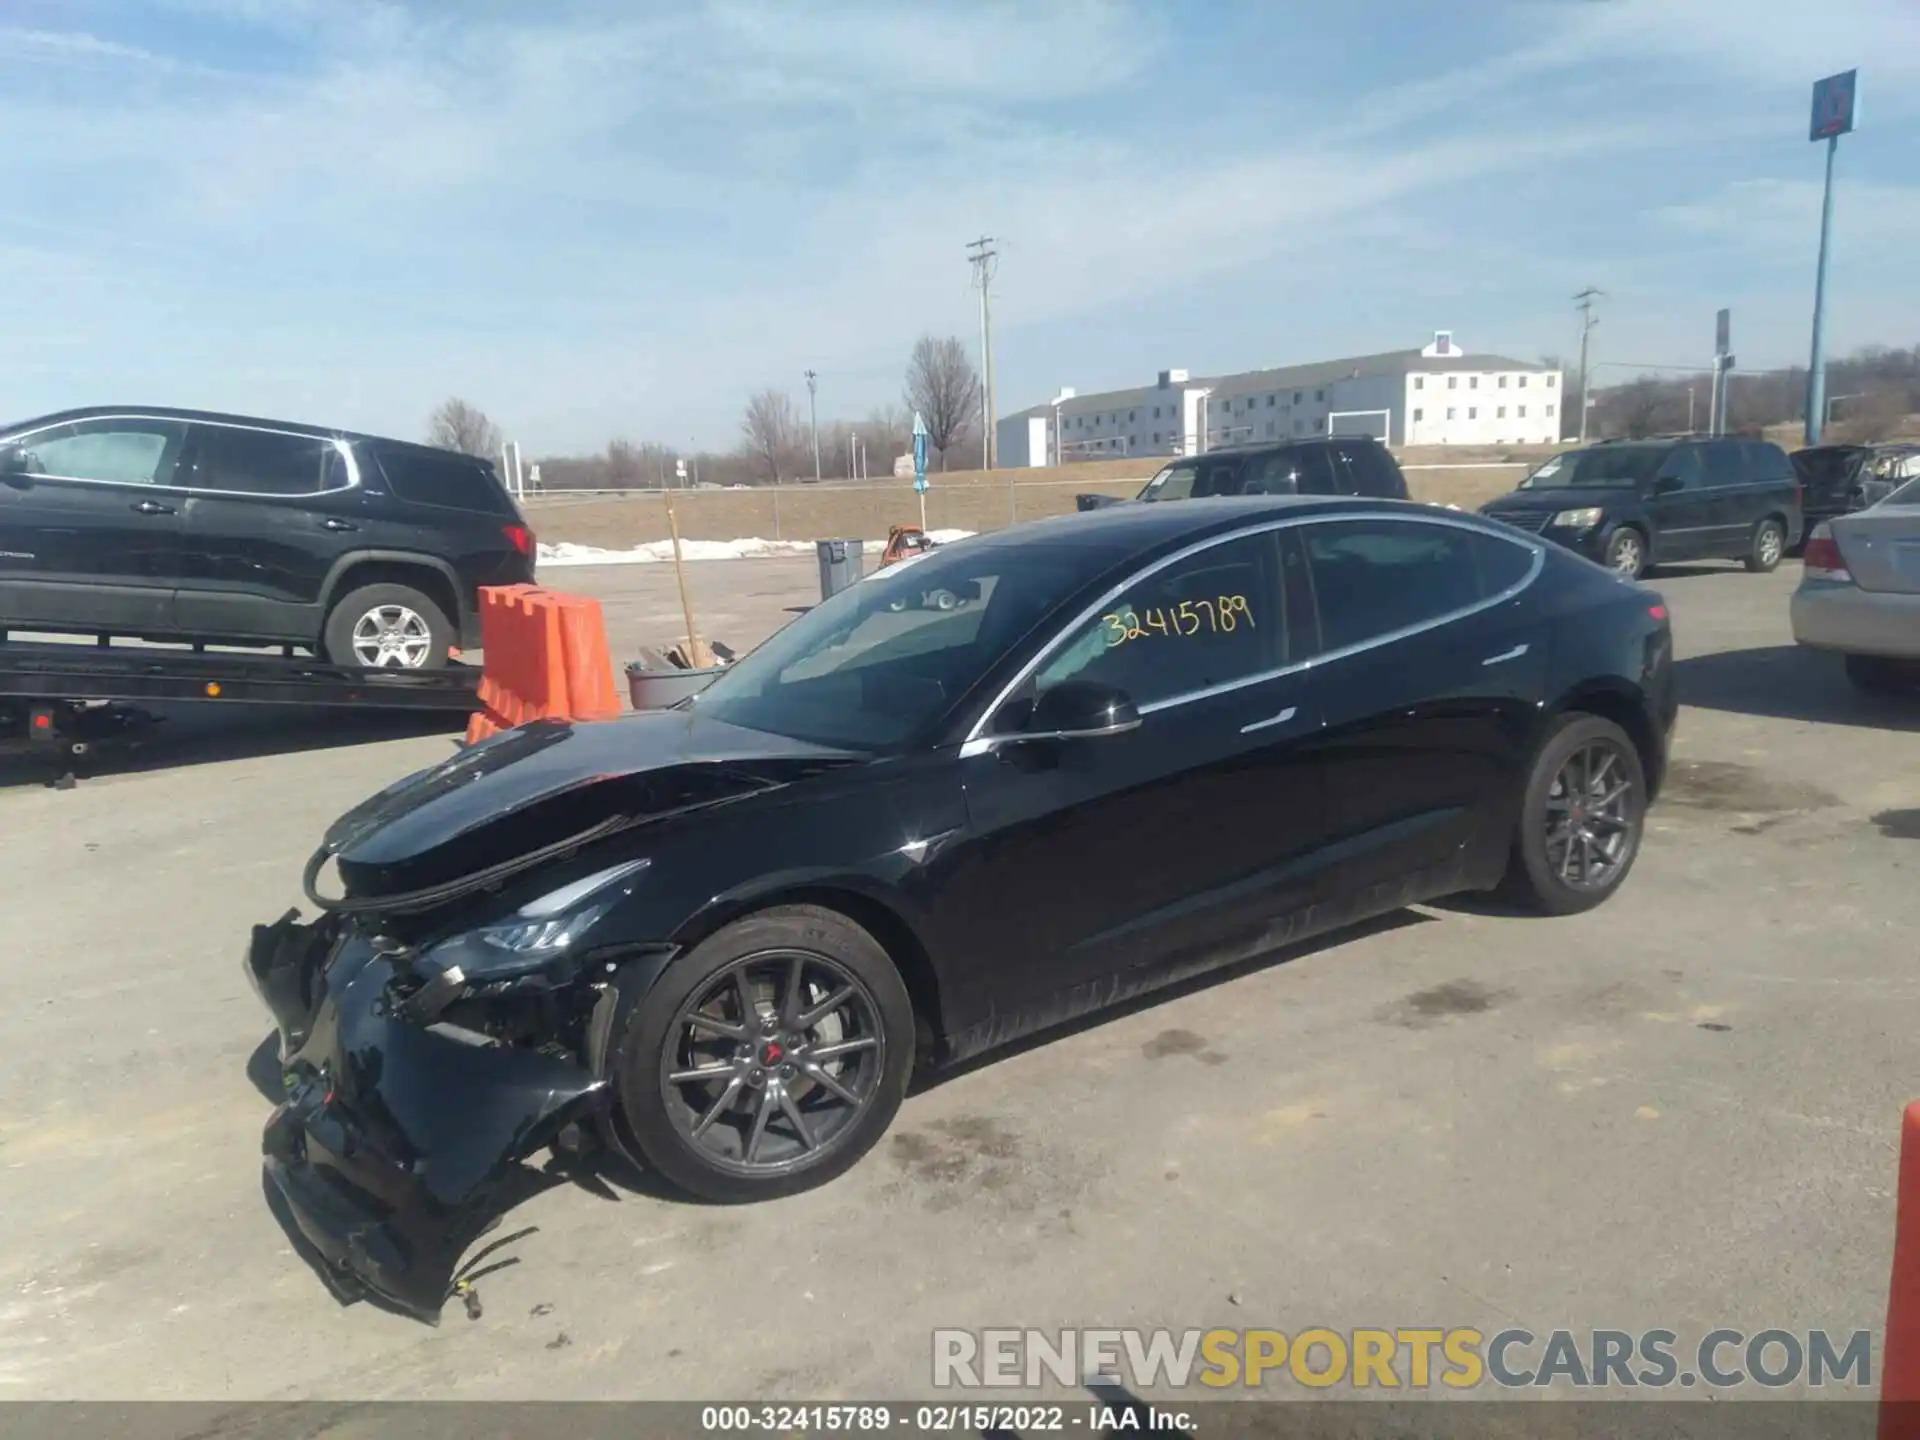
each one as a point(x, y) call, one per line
point(1534, 523)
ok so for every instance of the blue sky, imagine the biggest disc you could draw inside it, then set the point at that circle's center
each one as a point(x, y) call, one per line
point(620, 218)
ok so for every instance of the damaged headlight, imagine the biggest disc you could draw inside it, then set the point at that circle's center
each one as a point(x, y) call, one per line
point(522, 942)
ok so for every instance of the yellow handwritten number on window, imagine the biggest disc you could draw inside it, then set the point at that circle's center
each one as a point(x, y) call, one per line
point(1222, 615)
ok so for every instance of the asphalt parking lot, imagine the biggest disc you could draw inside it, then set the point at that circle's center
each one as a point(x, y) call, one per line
point(1680, 1110)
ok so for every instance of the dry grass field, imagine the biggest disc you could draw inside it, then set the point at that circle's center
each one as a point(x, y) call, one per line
point(961, 500)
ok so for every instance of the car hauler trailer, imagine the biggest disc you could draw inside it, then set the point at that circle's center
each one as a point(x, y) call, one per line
point(67, 698)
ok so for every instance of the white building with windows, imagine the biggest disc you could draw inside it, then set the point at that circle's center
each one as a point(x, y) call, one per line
point(1437, 395)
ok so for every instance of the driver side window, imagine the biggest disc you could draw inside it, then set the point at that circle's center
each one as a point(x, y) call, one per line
point(1684, 465)
point(1208, 619)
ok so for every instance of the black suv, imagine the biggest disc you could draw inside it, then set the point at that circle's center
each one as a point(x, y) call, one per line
point(1838, 479)
point(183, 525)
point(1633, 503)
point(1340, 465)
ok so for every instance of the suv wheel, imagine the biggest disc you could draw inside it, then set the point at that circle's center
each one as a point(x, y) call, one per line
point(1769, 544)
point(1627, 553)
point(387, 627)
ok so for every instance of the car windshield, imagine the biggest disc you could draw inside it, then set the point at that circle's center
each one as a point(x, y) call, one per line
point(875, 665)
point(1173, 483)
point(1603, 465)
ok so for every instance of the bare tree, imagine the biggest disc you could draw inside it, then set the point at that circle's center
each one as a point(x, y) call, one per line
point(772, 431)
point(943, 386)
point(456, 425)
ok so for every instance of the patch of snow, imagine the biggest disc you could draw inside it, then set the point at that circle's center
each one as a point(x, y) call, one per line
point(565, 552)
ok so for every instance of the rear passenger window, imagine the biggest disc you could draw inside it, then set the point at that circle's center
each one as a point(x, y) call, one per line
point(1371, 472)
point(429, 477)
point(260, 462)
point(1502, 564)
point(1767, 464)
point(1375, 577)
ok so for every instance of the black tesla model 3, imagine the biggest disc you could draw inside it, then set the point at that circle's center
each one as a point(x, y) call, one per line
point(1023, 777)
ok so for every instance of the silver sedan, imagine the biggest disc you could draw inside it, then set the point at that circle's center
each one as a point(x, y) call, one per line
point(1860, 591)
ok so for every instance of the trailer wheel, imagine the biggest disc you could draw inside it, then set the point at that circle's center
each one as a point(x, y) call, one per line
point(387, 627)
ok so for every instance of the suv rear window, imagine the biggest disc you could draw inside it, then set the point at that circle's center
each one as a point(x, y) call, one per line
point(433, 477)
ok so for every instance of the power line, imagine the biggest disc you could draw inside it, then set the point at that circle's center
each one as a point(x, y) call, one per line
point(981, 258)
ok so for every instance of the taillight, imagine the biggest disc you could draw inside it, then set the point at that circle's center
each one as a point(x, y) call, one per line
point(1822, 560)
point(520, 537)
point(1658, 612)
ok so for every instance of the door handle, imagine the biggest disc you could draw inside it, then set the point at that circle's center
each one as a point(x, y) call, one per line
point(153, 507)
point(1267, 724)
point(333, 522)
point(1514, 654)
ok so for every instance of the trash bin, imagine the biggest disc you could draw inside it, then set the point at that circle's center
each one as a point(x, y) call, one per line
point(840, 565)
point(659, 689)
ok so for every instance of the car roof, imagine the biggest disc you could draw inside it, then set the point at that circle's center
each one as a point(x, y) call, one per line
point(1140, 527)
point(1264, 447)
point(171, 412)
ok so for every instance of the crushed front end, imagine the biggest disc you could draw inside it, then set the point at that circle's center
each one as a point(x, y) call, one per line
point(410, 1101)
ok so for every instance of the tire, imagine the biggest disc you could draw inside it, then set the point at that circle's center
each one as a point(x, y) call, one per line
point(1626, 553)
point(1879, 675)
point(418, 633)
point(658, 1116)
point(1768, 545)
point(1536, 875)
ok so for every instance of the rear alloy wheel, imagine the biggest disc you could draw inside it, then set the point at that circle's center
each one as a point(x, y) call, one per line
point(1581, 818)
point(388, 627)
point(767, 1060)
point(1626, 553)
point(1769, 544)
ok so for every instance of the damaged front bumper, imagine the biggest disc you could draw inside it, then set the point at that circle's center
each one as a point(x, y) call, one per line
point(395, 1144)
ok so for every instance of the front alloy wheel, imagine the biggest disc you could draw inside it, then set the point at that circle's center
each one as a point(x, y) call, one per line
point(767, 1059)
point(773, 1059)
point(1626, 553)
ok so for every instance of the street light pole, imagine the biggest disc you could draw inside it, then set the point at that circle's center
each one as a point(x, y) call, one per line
point(813, 422)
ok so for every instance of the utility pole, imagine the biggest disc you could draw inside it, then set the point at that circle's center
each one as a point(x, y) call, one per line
point(813, 422)
point(1585, 301)
point(981, 258)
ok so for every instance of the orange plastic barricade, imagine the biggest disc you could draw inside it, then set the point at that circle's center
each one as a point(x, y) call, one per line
point(1900, 1359)
point(588, 666)
point(545, 657)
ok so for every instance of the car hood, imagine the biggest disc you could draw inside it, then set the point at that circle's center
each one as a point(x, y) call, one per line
point(536, 786)
point(1565, 497)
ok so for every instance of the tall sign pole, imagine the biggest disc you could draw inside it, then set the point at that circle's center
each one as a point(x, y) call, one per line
point(1834, 103)
point(1722, 363)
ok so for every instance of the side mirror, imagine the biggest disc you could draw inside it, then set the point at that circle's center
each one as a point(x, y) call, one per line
point(1668, 484)
point(1080, 710)
point(13, 461)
